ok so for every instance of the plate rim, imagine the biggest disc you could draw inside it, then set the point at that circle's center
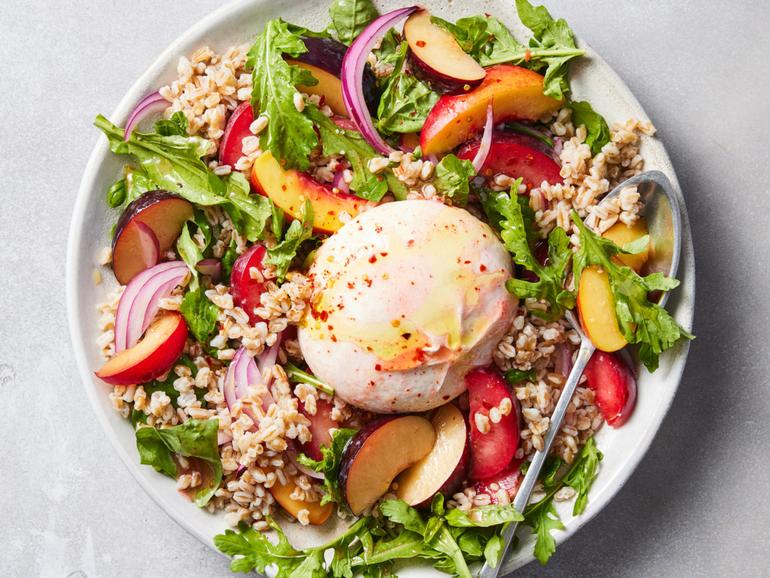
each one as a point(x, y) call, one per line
point(72, 282)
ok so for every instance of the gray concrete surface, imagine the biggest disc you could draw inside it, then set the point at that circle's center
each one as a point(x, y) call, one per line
point(697, 504)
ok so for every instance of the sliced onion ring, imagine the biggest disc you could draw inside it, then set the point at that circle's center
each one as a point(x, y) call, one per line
point(148, 288)
point(353, 65)
point(151, 103)
point(486, 141)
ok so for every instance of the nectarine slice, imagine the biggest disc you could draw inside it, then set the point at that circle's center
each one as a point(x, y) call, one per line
point(596, 307)
point(289, 189)
point(318, 514)
point(378, 453)
point(622, 234)
point(515, 93)
point(329, 87)
point(153, 356)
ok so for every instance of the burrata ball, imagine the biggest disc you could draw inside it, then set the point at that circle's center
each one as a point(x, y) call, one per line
point(409, 296)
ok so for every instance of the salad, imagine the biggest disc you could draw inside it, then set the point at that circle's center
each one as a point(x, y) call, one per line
point(343, 260)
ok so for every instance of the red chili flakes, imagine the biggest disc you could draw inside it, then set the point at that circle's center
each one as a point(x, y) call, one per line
point(378, 367)
point(334, 338)
point(373, 259)
point(395, 323)
point(406, 336)
point(421, 43)
point(410, 243)
point(482, 268)
point(351, 285)
point(324, 315)
point(385, 254)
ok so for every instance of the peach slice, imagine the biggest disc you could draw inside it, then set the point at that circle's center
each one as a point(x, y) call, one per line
point(445, 467)
point(622, 234)
point(153, 356)
point(288, 189)
point(596, 307)
point(515, 93)
point(378, 453)
point(438, 56)
point(318, 514)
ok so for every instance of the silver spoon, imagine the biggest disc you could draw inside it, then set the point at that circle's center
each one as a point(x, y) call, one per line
point(661, 212)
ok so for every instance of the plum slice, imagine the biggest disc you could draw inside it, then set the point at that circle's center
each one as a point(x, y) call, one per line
point(614, 386)
point(378, 453)
point(503, 486)
point(324, 61)
point(517, 156)
point(445, 467)
point(493, 448)
point(246, 291)
point(438, 58)
point(320, 424)
point(153, 356)
point(134, 250)
point(238, 128)
point(163, 212)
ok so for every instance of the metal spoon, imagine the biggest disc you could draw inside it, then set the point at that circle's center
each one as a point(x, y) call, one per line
point(661, 212)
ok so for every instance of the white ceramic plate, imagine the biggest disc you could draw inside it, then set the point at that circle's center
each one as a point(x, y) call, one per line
point(92, 220)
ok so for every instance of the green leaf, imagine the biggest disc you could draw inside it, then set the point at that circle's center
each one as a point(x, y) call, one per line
point(597, 131)
point(582, 477)
point(284, 252)
point(350, 17)
point(402, 513)
point(552, 46)
point(289, 135)
point(190, 253)
point(329, 464)
point(493, 550)
point(505, 212)
point(406, 545)
point(350, 144)
point(176, 125)
point(641, 321)
point(296, 374)
point(255, 551)
point(544, 521)
point(192, 439)
point(453, 178)
point(516, 376)
point(175, 163)
point(229, 258)
point(483, 516)
point(200, 314)
point(406, 100)
point(388, 52)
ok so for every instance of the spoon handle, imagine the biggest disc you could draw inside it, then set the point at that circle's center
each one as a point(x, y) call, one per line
point(527, 485)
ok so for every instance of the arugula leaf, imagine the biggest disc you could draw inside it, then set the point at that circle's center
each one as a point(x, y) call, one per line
point(228, 259)
point(388, 51)
point(453, 178)
point(406, 100)
point(137, 182)
point(194, 438)
point(641, 321)
point(335, 141)
point(175, 163)
point(505, 211)
point(329, 464)
point(350, 17)
point(176, 125)
point(406, 544)
point(289, 135)
point(200, 314)
point(284, 252)
point(544, 520)
point(483, 516)
point(400, 512)
point(582, 477)
point(597, 131)
point(295, 374)
point(276, 220)
point(516, 376)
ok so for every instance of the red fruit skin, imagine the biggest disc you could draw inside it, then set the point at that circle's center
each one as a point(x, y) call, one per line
point(237, 129)
point(345, 123)
point(614, 386)
point(516, 156)
point(491, 452)
point(320, 424)
point(245, 290)
point(508, 480)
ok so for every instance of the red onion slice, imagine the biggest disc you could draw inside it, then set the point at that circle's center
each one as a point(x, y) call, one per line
point(291, 453)
point(563, 359)
point(151, 103)
point(486, 141)
point(353, 65)
point(255, 376)
point(223, 437)
point(339, 184)
point(138, 286)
